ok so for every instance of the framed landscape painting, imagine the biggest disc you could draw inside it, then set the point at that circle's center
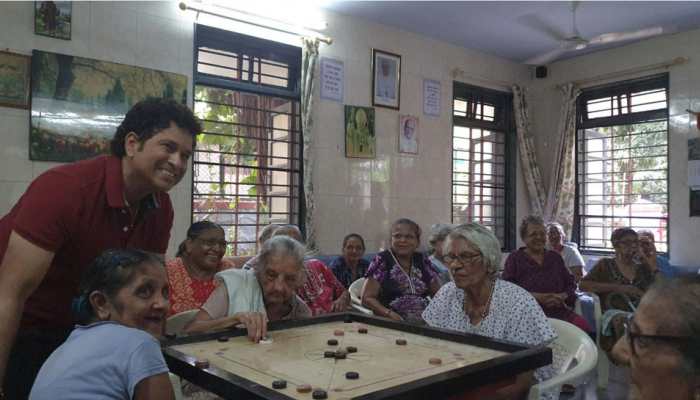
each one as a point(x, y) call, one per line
point(14, 80)
point(53, 19)
point(77, 103)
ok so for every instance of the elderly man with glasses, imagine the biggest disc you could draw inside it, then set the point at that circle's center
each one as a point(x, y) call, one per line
point(661, 344)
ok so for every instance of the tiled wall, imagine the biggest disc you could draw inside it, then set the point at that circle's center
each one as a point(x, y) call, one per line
point(684, 94)
point(152, 35)
point(361, 196)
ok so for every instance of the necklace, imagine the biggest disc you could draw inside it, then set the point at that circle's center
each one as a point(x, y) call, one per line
point(408, 275)
point(487, 306)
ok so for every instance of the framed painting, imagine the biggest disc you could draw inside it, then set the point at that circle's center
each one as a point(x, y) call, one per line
point(77, 103)
point(53, 19)
point(14, 80)
point(408, 134)
point(386, 79)
point(360, 141)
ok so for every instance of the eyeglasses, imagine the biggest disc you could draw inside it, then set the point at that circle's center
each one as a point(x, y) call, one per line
point(639, 343)
point(464, 258)
point(214, 242)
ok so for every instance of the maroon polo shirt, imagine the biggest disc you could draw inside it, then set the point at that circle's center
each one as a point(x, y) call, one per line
point(77, 211)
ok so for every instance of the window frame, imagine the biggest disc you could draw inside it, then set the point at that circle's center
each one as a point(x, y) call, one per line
point(503, 122)
point(222, 40)
point(651, 82)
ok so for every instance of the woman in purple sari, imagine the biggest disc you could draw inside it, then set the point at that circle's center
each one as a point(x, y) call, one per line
point(399, 280)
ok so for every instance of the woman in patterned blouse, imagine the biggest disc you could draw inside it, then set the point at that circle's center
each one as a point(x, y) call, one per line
point(477, 302)
point(399, 280)
point(191, 273)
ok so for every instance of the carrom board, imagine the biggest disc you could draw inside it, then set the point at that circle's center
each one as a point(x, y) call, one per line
point(239, 368)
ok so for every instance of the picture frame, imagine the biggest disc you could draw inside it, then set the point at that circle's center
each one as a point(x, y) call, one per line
point(408, 134)
point(95, 99)
point(53, 19)
point(360, 140)
point(15, 71)
point(386, 79)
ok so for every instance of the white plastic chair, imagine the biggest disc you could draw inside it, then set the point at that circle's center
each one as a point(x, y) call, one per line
point(355, 290)
point(572, 344)
point(177, 385)
point(603, 367)
point(176, 323)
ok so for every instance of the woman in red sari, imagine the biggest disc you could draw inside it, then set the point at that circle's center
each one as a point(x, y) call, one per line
point(191, 273)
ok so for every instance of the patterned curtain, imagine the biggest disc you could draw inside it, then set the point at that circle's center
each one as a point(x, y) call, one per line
point(309, 57)
point(562, 186)
point(528, 158)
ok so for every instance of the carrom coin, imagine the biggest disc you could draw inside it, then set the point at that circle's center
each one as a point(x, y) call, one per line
point(222, 338)
point(352, 375)
point(305, 388)
point(202, 363)
point(401, 342)
point(351, 349)
point(339, 332)
point(435, 361)
point(319, 394)
point(279, 384)
point(332, 342)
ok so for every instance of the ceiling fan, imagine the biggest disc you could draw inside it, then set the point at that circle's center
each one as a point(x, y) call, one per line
point(575, 41)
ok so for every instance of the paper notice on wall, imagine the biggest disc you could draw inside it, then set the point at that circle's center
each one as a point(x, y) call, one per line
point(332, 77)
point(431, 97)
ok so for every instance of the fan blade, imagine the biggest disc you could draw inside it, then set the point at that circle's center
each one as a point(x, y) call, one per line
point(624, 36)
point(536, 23)
point(547, 57)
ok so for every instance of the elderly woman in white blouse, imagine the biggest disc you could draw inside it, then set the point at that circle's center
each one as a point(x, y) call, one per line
point(477, 302)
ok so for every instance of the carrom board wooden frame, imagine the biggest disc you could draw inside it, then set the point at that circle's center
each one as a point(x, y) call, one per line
point(440, 385)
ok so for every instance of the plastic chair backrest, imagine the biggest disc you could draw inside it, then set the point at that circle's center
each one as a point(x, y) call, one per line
point(356, 290)
point(176, 323)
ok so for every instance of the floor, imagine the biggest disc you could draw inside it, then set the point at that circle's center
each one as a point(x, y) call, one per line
point(617, 387)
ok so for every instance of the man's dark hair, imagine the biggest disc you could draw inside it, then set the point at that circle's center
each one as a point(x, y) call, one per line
point(150, 116)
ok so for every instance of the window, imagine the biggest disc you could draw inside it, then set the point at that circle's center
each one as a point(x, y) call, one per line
point(622, 161)
point(481, 176)
point(247, 162)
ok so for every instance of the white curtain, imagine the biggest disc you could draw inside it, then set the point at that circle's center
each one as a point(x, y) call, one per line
point(562, 185)
point(528, 157)
point(309, 56)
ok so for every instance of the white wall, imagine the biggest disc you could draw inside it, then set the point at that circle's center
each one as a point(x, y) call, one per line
point(151, 35)
point(684, 94)
point(365, 196)
point(352, 195)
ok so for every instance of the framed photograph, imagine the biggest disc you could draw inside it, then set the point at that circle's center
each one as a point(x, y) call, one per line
point(408, 134)
point(386, 79)
point(14, 80)
point(360, 141)
point(53, 19)
point(77, 103)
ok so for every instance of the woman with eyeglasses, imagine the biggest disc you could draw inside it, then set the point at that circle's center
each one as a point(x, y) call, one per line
point(542, 273)
point(477, 302)
point(661, 344)
point(620, 283)
point(400, 279)
point(191, 273)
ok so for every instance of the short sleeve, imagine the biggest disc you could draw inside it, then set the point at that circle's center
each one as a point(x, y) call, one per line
point(435, 314)
point(574, 258)
point(217, 303)
point(377, 269)
point(531, 325)
point(145, 361)
point(48, 210)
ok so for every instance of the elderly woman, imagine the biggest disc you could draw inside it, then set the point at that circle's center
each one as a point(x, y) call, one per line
point(568, 251)
point(438, 233)
point(620, 283)
point(477, 302)
point(400, 279)
point(191, 273)
point(542, 273)
point(350, 265)
point(253, 297)
point(662, 342)
point(321, 290)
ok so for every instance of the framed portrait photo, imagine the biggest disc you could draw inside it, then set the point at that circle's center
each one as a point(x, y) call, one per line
point(386, 79)
point(53, 19)
point(408, 134)
point(15, 70)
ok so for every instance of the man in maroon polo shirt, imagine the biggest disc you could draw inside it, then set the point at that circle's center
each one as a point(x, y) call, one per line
point(69, 215)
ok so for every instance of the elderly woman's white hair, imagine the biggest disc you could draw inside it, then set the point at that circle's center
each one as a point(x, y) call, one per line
point(281, 246)
point(483, 239)
point(438, 232)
